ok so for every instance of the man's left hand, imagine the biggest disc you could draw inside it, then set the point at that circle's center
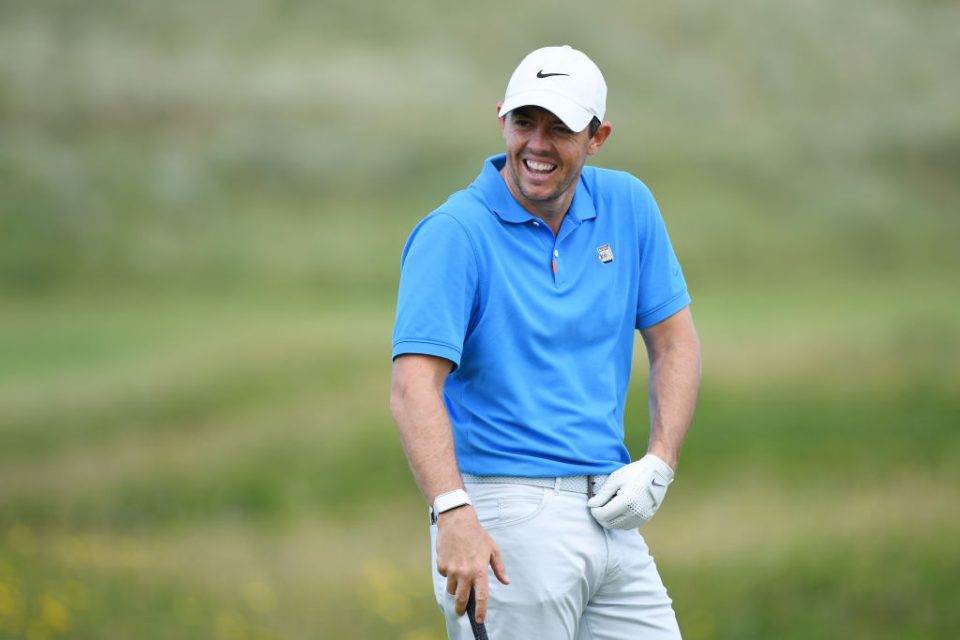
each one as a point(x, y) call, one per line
point(632, 494)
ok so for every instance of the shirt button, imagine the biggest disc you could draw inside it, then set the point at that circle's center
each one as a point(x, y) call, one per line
point(556, 254)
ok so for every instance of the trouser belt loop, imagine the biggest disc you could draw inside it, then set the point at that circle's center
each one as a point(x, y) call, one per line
point(556, 486)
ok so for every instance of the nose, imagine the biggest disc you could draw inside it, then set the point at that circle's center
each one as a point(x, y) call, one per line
point(539, 138)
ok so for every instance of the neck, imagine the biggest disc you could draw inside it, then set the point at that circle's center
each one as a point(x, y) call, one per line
point(551, 212)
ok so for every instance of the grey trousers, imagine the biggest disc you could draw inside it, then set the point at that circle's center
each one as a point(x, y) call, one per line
point(571, 579)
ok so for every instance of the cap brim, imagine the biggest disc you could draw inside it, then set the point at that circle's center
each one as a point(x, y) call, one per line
point(573, 115)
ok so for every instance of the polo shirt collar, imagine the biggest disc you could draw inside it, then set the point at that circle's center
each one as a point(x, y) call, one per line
point(501, 201)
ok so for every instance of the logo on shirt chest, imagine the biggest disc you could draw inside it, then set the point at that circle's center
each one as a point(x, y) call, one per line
point(605, 254)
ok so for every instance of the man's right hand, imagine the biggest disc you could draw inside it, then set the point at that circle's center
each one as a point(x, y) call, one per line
point(464, 551)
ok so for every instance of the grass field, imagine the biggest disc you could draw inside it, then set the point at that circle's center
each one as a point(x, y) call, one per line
point(202, 207)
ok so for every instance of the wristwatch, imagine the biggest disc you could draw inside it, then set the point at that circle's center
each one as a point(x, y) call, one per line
point(447, 501)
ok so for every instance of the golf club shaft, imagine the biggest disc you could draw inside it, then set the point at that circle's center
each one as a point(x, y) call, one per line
point(478, 628)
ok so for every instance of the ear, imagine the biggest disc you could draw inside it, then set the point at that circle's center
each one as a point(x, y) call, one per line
point(502, 120)
point(603, 132)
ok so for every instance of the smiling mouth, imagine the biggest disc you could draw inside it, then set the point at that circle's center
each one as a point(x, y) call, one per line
point(539, 168)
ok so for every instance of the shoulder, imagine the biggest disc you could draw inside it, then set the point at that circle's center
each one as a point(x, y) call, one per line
point(618, 189)
point(465, 214)
point(467, 208)
point(450, 228)
point(613, 180)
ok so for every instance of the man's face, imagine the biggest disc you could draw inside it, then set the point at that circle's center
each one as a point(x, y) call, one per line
point(544, 157)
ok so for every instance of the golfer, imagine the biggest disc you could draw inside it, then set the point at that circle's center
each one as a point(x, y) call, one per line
point(518, 305)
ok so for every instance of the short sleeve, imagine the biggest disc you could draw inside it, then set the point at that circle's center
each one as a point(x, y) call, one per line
point(438, 286)
point(663, 290)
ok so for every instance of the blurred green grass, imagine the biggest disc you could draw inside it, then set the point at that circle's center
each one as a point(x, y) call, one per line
point(202, 207)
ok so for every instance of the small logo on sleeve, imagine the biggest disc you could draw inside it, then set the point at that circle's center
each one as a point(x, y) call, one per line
point(605, 253)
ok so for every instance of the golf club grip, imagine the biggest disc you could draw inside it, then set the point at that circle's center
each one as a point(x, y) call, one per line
point(478, 628)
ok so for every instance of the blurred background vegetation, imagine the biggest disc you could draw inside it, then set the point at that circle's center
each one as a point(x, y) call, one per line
point(202, 207)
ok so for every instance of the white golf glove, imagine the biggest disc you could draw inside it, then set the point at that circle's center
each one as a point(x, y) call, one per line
point(632, 493)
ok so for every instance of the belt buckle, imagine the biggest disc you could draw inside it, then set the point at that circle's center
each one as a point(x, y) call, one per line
point(589, 487)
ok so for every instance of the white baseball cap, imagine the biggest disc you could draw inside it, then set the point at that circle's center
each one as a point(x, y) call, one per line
point(563, 81)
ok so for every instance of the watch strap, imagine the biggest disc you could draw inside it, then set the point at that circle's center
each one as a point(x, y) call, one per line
point(450, 500)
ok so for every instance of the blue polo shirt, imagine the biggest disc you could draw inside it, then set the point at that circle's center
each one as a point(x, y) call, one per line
point(540, 328)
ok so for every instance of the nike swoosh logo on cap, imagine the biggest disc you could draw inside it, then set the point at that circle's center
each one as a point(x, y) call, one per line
point(541, 74)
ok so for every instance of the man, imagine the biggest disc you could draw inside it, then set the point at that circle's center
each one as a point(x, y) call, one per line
point(518, 305)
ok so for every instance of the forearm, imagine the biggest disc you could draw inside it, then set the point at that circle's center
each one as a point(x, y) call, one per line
point(464, 550)
point(674, 384)
point(416, 402)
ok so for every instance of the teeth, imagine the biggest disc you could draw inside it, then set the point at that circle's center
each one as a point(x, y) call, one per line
point(540, 166)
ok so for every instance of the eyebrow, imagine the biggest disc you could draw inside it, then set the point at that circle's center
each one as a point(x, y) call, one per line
point(528, 111)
